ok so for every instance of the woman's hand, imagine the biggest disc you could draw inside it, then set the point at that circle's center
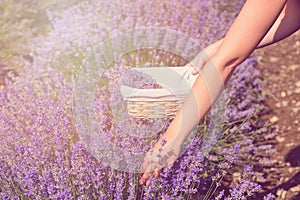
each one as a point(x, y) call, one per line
point(203, 57)
point(163, 154)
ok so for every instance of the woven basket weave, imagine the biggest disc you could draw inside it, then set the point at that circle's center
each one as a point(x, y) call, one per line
point(153, 109)
point(176, 83)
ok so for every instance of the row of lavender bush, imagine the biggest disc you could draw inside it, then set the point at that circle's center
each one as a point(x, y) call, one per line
point(41, 155)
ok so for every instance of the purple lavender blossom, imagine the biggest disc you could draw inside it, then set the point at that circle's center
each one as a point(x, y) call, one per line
point(269, 196)
point(41, 155)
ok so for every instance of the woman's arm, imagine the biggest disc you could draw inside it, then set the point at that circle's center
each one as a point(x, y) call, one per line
point(248, 30)
point(250, 27)
point(287, 23)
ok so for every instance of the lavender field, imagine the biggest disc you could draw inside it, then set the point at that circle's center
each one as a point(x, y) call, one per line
point(46, 152)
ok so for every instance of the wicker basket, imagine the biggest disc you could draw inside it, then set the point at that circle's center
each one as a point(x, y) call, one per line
point(176, 83)
point(153, 109)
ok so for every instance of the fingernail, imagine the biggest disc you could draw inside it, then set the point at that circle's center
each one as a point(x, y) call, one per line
point(141, 182)
point(148, 183)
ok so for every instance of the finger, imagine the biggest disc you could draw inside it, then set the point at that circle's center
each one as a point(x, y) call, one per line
point(141, 175)
point(142, 181)
point(156, 173)
point(149, 180)
point(148, 174)
point(144, 174)
point(199, 62)
point(144, 178)
point(148, 183)
point(195, 71)
point(144, 165)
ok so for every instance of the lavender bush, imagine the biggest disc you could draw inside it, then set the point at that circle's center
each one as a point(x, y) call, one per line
point(41, 154)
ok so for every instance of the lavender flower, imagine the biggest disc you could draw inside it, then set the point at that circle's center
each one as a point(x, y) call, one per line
point(40, 152)
point(269, 196)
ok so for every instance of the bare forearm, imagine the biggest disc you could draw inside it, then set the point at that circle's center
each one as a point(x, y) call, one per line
point(248, 30)
point(287, 23)
point(203, 94)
